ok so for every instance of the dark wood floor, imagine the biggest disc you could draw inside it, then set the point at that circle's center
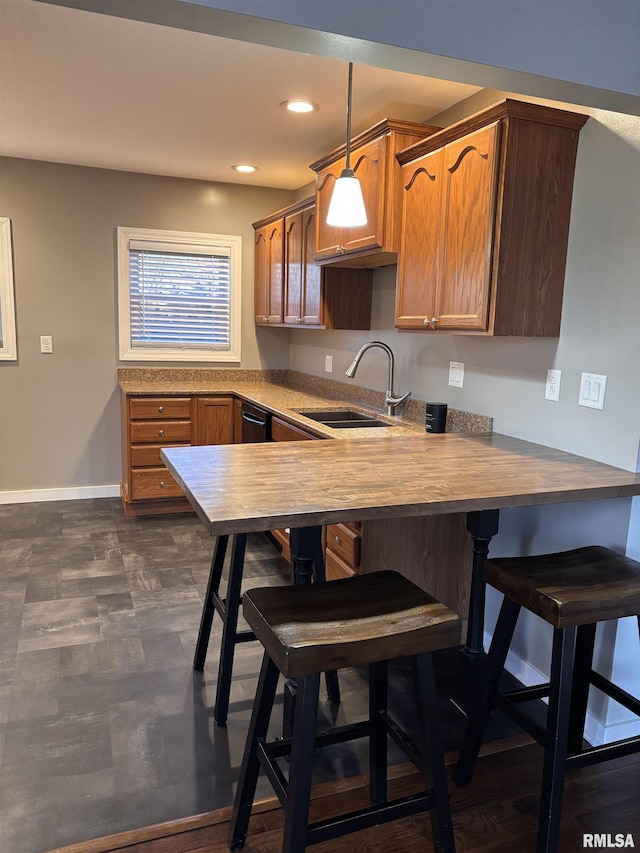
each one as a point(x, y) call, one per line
point(495, 814)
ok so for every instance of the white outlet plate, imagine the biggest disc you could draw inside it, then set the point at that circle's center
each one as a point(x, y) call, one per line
point(328, 363)
point(592, 388)
point(552, 391)
point(456, 373)
point(46, 343)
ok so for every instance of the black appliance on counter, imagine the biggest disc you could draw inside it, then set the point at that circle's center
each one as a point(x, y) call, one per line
point(256, 424)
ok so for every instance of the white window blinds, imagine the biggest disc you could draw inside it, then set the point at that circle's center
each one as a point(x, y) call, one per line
point(180, 296)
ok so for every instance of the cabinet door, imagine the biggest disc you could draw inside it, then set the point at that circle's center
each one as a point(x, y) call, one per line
point(311, 309)
point(214, 420)
point(269, 272)
point(369, 166)
point(329, 240)
point(469, 206)
point(293, 274)
point(419, 258)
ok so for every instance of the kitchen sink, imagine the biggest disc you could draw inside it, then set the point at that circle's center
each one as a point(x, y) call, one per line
point(345, 419)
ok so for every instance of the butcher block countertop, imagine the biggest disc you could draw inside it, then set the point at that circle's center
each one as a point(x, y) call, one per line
point(285, 393)
point(254, 487)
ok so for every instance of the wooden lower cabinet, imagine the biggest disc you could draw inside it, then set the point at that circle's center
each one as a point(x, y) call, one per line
point(342, 550)
point(435, 552)
point(152, 422)
point(214, 420)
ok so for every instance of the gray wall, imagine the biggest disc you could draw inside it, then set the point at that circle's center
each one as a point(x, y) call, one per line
point(59, 413)
point(505, 378)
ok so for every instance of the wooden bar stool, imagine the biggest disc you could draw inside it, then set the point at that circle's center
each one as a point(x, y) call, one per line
point(366, 619)
point(573, 591)
point(228, 608)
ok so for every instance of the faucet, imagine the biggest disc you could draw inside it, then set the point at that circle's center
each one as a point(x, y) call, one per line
point(390, 399)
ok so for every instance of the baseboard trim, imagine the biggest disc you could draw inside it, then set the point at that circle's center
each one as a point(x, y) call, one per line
point(66, 494)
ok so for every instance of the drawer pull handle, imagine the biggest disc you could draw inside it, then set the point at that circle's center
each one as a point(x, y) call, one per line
point(338, 540)
point(162, 484)
point(161, 408)
point(160, 432)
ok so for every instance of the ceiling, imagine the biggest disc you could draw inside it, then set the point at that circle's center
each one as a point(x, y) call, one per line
point(95, 90)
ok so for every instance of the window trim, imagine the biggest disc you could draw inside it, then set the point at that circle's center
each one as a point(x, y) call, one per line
point(232, 243)
point(9, 348)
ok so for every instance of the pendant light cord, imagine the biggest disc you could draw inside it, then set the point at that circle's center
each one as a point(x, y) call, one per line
point(348, 157)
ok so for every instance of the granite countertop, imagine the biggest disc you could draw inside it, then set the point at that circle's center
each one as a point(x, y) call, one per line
point(286, 393)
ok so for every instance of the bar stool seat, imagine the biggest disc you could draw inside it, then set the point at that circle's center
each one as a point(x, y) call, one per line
point(573, 591)
point(306, 630)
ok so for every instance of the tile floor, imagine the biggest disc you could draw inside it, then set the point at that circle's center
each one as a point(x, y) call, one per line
point(104, 725)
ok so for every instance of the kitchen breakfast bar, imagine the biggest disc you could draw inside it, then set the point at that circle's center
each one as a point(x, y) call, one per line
point(239, 489)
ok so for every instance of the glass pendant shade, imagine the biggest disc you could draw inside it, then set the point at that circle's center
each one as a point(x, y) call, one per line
point(346, 208)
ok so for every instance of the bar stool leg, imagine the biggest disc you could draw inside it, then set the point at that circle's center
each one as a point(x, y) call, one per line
point(301, 765)
point(378, 683)
point(208, 612)
point(555, 753)
point(260, 717)
point(230, 630)
point(582, 664)
point(433, 757)
point(482, 705)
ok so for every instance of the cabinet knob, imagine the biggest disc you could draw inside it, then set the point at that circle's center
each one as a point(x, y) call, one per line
point(341, 250)
point(161, 408)
point(426, 321)
point(299, 320)
point(338, 540)
point(160, 432)
point(162, 484)
point(434, 322)
point(265, 319)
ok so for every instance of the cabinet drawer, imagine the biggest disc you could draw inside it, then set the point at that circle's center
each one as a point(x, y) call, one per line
point(283, 431)
point(336, 568)
point(145, 408)
point(153, 483)
point(345, 543)
point(148, 455)
point(155, 432)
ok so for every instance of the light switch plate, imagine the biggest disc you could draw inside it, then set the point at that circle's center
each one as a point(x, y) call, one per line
point(328, 363)
point(592, 388)
point(456, 373)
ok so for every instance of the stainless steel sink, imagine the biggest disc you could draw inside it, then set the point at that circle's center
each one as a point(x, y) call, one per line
point(345, 419)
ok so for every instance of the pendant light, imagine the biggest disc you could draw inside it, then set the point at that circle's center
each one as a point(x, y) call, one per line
point(346, 208)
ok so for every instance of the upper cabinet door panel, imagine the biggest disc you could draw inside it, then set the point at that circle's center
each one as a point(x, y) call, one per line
point(261, 275)
point(419, 263)
point(368, 163)
point(276, 267)
point(311, 303)
point(293, 237)
point(469, 205)
point(328, 240)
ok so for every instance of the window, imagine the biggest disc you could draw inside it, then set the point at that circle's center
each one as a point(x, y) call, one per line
point(178, 296)
point(8, 345)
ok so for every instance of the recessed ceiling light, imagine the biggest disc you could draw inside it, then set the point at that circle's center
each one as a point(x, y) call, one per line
point(244, 167)
point(297, 105)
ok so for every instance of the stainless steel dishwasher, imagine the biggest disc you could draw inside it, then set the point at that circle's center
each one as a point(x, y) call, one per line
point(256, 424)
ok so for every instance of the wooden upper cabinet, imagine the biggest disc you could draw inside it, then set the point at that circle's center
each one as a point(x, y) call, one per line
point(486, 206)
point(313, 296)
point(269, 271)
point(373, 160)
